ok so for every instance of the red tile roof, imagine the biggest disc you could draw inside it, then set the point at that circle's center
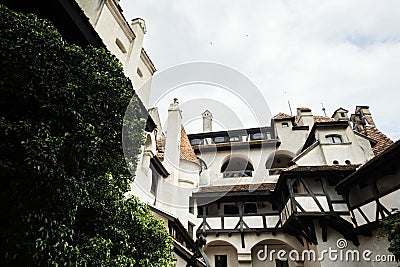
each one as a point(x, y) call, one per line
point(322, 118)
point(187, 151)
point(383, 142)
point(237, 188)
point(282, 116)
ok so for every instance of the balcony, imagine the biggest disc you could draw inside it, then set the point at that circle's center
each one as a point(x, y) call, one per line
point(260, 222)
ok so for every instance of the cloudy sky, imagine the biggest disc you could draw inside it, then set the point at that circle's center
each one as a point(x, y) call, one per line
point(339, 53)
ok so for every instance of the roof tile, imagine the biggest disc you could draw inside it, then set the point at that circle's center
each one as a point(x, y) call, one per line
point(383, 142)
point(281, 116)
point(322, 118)
point(187, 151)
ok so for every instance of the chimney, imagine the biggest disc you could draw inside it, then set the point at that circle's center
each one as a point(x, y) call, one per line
point(207, 121)
point(173, 139)
point(138, 24)
point(305, 117)
point(340, 115)
point(362, 117)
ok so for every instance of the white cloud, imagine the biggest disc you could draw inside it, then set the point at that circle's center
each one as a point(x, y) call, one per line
point(341, 53)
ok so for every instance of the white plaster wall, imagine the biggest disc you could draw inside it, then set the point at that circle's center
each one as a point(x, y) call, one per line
point(108, 29)
point(314, 157)
point(352, 148)
point(291, 140)
point(257, 157)
point(142, 84)
point(141, 185)
point(392, 200)
point(309, 204)
point(92, 9)
point(180, 262)
point(230, 251)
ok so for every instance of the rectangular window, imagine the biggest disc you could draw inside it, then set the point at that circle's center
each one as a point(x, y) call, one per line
point(190, 229)
point(219, 139)
point(196, 142)
point(285, 125)
point(281, 263)
point(257, 136)
point(200, 210)
point(333, 139)
point(250, 208)
point(221, 261)
point(234, 139)
point(191, 205)
point(231, 209)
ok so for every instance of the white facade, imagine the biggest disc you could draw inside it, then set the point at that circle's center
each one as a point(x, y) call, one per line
point(292, 144)
point(249, 169)
point(124, 40)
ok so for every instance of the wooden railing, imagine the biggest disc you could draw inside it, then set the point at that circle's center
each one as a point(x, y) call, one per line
point(269, 221)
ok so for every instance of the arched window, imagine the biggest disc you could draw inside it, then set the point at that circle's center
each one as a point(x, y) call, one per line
point(237, 167)
point(280, 159)
point(333, 139)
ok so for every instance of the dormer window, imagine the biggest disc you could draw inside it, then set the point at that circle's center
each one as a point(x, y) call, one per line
point(333, 139)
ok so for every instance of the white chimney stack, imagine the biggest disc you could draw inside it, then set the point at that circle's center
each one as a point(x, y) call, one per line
point(207, 121)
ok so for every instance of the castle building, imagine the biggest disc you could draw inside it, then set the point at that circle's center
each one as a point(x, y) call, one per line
point(299, 185)
point(295, 187)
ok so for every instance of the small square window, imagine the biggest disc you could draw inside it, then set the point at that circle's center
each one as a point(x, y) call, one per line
point(285, 125)
point(219, 139)
point(221, 260)
point(231, 209)
point(250, 208)
point(258, 136)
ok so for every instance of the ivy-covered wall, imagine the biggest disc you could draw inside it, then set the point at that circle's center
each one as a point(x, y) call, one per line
point(62, 168)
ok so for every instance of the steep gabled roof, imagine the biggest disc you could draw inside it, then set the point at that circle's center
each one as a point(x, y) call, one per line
point(187, 151)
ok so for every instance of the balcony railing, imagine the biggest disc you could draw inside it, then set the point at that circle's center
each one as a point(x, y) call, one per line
point(269, 221)
point(237, 174)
